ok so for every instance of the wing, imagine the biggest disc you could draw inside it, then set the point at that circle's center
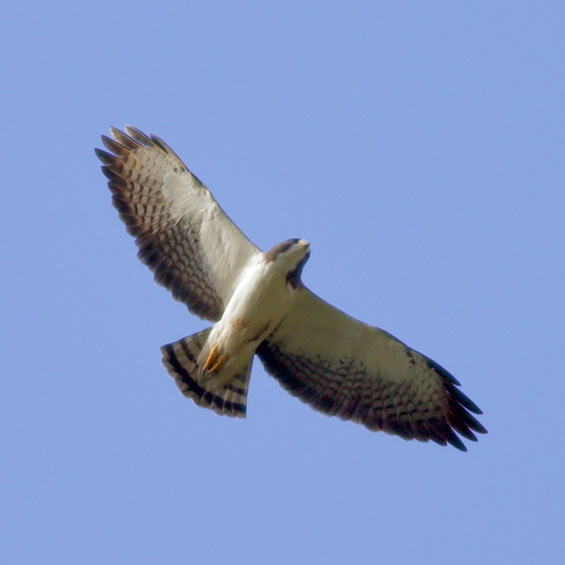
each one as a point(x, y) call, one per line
point(345, 368)
point(182, 234)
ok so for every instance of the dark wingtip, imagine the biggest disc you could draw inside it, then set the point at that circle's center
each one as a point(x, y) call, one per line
point(109, 173)
point(465, 401)
point(443, 373)
point(138, 135)
point(104, 156)
point(462, 407)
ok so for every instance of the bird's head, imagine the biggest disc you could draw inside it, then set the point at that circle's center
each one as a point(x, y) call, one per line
point(289, 257)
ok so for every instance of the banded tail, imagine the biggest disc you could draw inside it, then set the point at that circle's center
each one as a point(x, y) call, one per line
point(205, 389)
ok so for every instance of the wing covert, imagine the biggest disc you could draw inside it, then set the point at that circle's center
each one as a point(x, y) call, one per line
point(183, 235)
point(342, 367)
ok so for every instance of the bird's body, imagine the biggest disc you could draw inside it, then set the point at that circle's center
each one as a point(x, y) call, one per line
point(259, 306)
point(262, 296)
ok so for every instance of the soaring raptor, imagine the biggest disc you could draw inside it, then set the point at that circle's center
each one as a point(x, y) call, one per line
point(259, 306)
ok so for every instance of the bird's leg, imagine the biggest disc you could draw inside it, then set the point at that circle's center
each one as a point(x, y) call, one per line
point(215, 361)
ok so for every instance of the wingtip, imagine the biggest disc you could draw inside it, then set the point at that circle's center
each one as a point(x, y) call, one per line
point(114, 132)
point(138, 135)
point(454, 440)
point(123, 139)
point(104, 156)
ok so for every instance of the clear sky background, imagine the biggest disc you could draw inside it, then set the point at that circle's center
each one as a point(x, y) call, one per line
point(419, 147)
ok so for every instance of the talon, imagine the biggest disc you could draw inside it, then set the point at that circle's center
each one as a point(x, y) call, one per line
point(211, 358)
point(214, 361)
point(218, 365)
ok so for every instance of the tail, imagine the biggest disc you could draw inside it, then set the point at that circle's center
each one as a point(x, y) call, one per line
point(226, 398)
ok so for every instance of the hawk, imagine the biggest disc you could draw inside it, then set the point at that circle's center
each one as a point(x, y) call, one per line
point(259, 306)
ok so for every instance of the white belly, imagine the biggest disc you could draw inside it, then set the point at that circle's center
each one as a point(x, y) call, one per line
point(257, 306)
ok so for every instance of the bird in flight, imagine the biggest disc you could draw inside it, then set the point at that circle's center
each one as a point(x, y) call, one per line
point(259, 306)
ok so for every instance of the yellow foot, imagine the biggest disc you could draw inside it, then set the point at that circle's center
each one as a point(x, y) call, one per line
point(215, 361)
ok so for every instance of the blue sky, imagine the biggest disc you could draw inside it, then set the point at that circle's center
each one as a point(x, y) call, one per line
point(417, 146)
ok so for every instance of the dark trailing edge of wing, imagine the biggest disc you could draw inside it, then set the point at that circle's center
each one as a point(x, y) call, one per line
point(295, 375)
point(165, 245)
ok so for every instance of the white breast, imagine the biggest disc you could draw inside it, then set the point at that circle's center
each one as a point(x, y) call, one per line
point(261, 299)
